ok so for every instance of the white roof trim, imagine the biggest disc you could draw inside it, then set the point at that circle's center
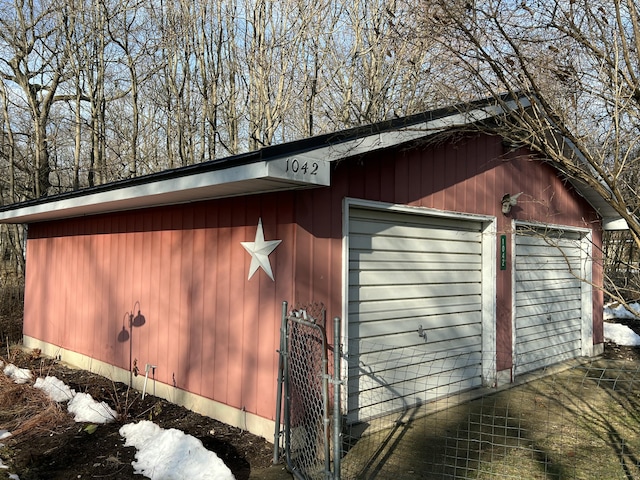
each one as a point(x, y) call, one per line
point(614, 224)
point(259, 177)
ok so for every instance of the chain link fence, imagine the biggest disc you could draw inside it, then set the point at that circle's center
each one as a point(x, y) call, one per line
point(406, 413)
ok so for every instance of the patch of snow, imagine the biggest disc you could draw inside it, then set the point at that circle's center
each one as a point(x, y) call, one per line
point(86, 409)
point(56, 389)
point(171, 454)
point(621, 335)
point(615, 310)
point(18, 375)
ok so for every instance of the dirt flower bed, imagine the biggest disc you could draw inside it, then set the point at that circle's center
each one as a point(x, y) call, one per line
point(46, 443)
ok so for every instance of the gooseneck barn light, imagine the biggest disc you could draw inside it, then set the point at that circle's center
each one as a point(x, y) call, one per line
point(509, 201)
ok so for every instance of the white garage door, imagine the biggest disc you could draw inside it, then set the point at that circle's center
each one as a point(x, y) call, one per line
point(415, 309)
point(548, 299)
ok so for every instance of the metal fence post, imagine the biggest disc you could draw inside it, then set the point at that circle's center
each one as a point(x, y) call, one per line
point(278, 431)
point(287, 398)
point(326, 421)
point(337, 415)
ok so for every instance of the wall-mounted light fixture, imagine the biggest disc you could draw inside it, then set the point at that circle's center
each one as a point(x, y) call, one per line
point(509, 201)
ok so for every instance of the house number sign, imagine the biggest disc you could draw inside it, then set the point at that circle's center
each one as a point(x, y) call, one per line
point(301, 169)
point(503, 252)
point(305, 167)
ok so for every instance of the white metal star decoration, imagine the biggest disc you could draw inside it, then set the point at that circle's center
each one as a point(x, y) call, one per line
point(259, 251)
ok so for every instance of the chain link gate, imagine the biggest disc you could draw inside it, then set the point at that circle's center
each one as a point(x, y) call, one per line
point(304, 381)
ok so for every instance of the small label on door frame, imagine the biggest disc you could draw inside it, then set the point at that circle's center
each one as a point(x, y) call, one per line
point(503, 252)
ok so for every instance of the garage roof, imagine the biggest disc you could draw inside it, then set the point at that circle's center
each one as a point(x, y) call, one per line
point(293, 165)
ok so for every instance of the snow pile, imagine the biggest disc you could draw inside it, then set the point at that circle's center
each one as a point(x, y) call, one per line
point(81, 405)
point(616, 310)
point(171, 454)
point(56, 389)
point(86, 409)
point(621, 335)
point(18, 375)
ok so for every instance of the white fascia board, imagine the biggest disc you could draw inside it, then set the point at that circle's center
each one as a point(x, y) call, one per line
point(259, 177)
point(614, 224)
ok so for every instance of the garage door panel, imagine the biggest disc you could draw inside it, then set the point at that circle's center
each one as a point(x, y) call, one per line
point(450, 337)
point(538, 351)
point(425, 313)
point(555, 310)
point(365, 258)
point(415, 382)
point(358, 242)
point(541, 289)
point(538, 252)
point(410, 231)
point(523, 267)
point(384, 292)
point(548, 298)
point(417, 266)
point(411, 277)
point(551, 238)
point(552, 289)
point(566, 343)
point(405, 272)
point(396, 325)
point(391, 218)
point(391, 323)
point(547, 263)
point(562, 276)
point(384, 400)
point(416, 364)
point(412, 340)
point(424, 304)
point(535, 332)
point(536, 297)
point(382, 391)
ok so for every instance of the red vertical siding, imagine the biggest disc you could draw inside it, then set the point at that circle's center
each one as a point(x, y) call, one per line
point(210, 320)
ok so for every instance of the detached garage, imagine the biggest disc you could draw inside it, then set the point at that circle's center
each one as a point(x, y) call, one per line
point(401, 236)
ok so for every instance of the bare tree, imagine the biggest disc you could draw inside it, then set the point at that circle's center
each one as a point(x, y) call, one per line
point(572, 69)
point(11, 236)
point(376, 67)
point(90, 57)
point(576, 69)
point(124, 25)
point(32, 34)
